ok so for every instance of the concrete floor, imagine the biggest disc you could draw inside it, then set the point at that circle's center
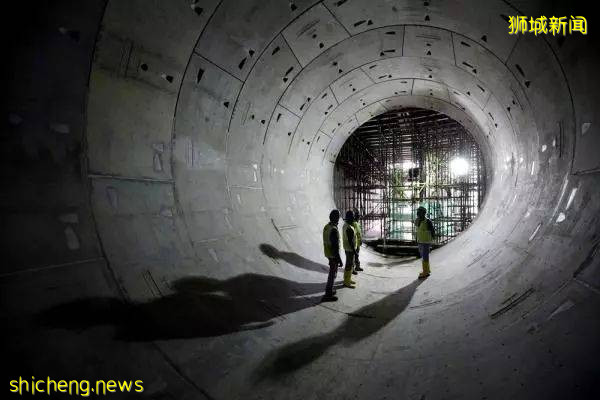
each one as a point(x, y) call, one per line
point(168, 170)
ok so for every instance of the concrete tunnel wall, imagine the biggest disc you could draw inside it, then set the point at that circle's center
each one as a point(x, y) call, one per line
point(211, 129)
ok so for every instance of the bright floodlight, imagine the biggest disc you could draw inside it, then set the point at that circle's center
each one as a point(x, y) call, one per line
point(459, 167)
point(406, 165)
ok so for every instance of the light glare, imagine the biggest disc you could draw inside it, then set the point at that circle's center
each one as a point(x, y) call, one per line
point(459, 167)
point(405, 166)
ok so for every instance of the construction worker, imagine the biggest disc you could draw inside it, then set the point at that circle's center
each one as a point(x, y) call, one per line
point(358, 230)
point(331, 246)
point(425, 234)
point(349, 241)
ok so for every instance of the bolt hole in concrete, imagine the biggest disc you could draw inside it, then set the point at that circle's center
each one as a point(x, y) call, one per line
point(404, 159)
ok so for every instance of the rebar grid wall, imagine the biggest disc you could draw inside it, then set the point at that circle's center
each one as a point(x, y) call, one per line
point(404, 159)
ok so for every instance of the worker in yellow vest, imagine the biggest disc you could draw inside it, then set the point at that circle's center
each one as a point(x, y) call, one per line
point(331, 248)
point(349, 240)
point(358, 230)
point(425, 235)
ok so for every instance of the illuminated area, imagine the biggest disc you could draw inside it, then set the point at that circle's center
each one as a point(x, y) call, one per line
point(407, 158)
point(459, 167)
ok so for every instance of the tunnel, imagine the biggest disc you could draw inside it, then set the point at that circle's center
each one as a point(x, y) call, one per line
point(404, 159)
point(169, 167)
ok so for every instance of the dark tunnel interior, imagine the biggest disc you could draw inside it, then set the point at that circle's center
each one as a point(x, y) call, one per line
point(169, 167)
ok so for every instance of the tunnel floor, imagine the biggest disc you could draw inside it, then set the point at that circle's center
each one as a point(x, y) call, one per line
point(257, 336)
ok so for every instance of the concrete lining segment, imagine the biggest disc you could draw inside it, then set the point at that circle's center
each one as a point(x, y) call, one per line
point(429, 69)
point(193, 177)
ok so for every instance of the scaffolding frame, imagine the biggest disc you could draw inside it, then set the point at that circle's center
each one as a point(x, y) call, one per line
point(400, 160)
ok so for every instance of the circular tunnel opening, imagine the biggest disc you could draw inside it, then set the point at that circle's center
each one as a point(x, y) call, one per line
point(404, 159)
point(164, 221)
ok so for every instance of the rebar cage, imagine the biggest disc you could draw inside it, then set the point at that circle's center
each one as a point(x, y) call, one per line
point(407, 158)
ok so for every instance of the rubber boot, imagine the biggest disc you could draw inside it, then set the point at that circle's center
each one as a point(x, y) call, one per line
point(347, 282)
point(329, 297)
point(357, 265)
point(426, 271)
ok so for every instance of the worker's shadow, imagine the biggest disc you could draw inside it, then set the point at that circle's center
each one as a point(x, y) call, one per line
point(198, 307)
point(293, 258)
point(357, 326)
point(392, 264)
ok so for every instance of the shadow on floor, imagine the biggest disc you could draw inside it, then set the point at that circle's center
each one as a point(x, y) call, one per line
point(198, 307)
point(358, 326)
point(293, 258)
point(392, 264)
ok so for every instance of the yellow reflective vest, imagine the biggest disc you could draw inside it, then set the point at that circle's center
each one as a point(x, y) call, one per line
point(327, 249)
point(358, 232)
point(423, 232)
point(345, 239)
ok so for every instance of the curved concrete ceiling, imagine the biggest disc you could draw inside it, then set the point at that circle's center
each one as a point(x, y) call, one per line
point(211, 134)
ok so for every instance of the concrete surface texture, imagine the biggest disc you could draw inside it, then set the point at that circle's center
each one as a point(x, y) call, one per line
point(168, 171)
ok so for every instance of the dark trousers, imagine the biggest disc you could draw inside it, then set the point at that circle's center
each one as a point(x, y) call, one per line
point(356, 260)
point(333, 267)
point(424, 249)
